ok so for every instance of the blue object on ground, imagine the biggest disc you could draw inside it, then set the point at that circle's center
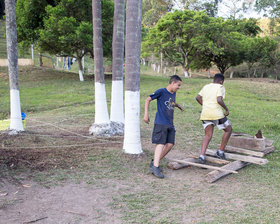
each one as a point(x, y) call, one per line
point(23, 116)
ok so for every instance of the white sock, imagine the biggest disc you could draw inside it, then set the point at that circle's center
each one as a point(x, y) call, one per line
point(202, 157)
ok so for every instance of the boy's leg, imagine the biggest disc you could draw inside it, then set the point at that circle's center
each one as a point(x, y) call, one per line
point(226, 136)
point(157, 155)
point(166, 149)
point(207, 138)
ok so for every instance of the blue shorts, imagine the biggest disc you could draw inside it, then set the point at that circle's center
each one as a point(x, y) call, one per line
point(163, 134)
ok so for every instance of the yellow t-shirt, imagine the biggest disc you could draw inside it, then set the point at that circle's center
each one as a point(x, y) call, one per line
point(211, 110)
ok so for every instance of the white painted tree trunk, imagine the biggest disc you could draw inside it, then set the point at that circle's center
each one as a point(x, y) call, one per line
point(175, 71)
point(190, 73)
point(81, 75)
point(132, 137)
point(132, 140)
point(209, 74)
point(32, 53)
point(186, 74)
point(16, 120)
point(12, 53)
point(164, 70)
point(231, 74)
point(158, 69)
point(117, 114)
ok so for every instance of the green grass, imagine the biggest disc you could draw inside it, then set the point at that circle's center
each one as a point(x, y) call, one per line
point(251, 196)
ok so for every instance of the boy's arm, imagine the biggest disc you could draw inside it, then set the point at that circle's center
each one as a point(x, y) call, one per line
point(179, 106)
point(199, 99)
point(221, 102)
point(146, 115)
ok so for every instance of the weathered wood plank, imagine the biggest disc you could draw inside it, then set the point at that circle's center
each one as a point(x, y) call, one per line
point(249, 159)
point(216, 175)
point(268, 142)
point(268, 150)
point(177, 166)
point(212, 160)
point(202, 165)
point(243, 151)
point(256, 144)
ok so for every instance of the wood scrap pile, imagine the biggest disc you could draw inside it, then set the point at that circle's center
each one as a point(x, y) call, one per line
point(241, 150)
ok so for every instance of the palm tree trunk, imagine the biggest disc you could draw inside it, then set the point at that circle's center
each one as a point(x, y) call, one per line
point(101, 126)
point(117, 113)
point(12, 53)
point(132, 139)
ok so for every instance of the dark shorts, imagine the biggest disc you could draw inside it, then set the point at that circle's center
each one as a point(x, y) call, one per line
point(222, 123)
point(163, 134)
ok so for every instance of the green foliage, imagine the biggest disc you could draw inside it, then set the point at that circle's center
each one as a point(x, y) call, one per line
point(172, 36)
point(62, 27)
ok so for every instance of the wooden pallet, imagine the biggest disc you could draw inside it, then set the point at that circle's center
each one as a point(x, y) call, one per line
point(242, 150)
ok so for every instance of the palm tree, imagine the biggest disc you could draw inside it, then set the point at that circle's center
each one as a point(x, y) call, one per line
point(12, 53)
point(132, 140)
point(101, 125)
point(117, 115)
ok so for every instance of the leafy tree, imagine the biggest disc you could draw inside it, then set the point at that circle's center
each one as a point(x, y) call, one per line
point(221, 43)
point(30, 15)
point(258, 49)
point(272, 7)
point(172, 36)
point(153, 10)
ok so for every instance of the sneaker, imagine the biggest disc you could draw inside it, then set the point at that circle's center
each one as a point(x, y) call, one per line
point(156, 171)
point(201, 160)
point(221, 155)
point(152, 163)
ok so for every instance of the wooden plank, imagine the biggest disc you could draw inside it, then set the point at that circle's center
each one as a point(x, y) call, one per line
point(268, 150)
point(177, 166)
point(212, 160)
point(268, 143)
point(256, 144)
point(250, 159)
point(216, 175)
point(202, 165)
point(243, 151)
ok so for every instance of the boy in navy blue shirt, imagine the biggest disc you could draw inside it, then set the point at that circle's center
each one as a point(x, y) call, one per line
point(164, 131)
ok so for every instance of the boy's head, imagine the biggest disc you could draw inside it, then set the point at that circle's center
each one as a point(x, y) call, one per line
point(219, 78)
point(175, 83)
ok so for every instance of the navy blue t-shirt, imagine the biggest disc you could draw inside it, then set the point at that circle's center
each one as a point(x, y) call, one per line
point(165, 106)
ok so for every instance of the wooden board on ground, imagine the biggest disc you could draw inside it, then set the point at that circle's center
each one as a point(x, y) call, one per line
point(249, 159)
point(256, 144)
point(216, 174)
point(202, 165)
point(243, 151)
point(212, 159)
point(177, 166)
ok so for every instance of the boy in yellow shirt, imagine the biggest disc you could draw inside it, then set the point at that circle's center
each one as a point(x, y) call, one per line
point(211, 98)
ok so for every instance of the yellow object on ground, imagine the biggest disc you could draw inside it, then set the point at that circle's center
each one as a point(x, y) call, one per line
point(5, 124)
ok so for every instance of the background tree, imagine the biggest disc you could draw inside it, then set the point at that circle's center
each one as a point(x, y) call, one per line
point(257, 49)
point(67, 30)
point(221, 42)
point(132, 138)
point(117, 114)
point(101, 124)
point(172, 36)
point(2, 9)
point(30, 16)
point(153, 10)
point(12, 53)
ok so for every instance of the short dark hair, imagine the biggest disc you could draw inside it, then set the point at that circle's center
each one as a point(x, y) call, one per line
point(219, 77)
point(174, 78)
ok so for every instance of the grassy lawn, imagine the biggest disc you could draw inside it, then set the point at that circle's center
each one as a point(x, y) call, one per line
point(56, 149)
